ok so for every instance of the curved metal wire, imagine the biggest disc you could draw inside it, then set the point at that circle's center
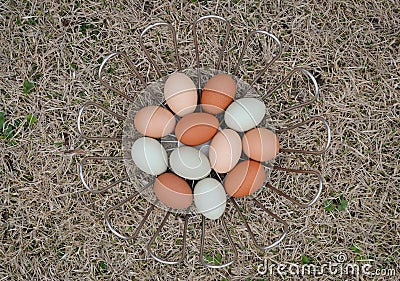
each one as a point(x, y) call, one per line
point(307, 102)
point(91, 103)
point(147, 53)
point(132, 67)
point(196, 45)
point(298, 171)
point(139, 227)
point(252, 236)
point(94, 191)
point(246, 43)
point(153, 238)
point(230, 242)
point(318, 152)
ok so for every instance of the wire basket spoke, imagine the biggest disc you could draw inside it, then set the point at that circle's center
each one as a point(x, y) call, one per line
point(83, 163)
point(251, 233)
point(268, 64)
point(217, 263)
point(119, 205)
point(276, 217)
point(131, 66)
point(196, 44)
point(313, 97)
point(104, 109)
point(300, 124)
point(183, 246)
point(298, 171)
point(146, 51)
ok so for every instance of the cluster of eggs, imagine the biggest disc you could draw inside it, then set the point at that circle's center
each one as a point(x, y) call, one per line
point(187, 162)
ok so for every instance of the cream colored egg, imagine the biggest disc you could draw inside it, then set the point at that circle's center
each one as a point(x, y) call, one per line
point(154, 121)
point(225, 150)
point(149, 156)
point(180, 94)
point(260, 144)
point(189, 163)
point(210, 198)
point(244, 114)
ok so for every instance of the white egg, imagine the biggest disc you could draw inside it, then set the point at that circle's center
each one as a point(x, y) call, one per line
point(244, 114)
point(189, 163)
point(149, 156)
point(210, 198)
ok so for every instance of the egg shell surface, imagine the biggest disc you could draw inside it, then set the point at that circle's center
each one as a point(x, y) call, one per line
point(189, 163)
point(180, 93)
point(246, 178)
point(154, 121)
point(260, 144)
point(225, 150)
point(196, 128)
point(149, 156)
point(173, 191)
point(210, 198)
point(218, 93)
point(244, 114)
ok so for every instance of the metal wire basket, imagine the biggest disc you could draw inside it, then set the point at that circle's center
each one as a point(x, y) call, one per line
point(142, 183)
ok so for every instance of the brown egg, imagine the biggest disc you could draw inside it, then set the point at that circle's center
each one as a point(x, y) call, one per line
point(173, 191)
point(260, 144)
point(196, 128)
point(218, 93)
point(245, 179)
point(154, 121)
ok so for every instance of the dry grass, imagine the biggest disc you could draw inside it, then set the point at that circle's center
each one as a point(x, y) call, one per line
point(53, 229)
